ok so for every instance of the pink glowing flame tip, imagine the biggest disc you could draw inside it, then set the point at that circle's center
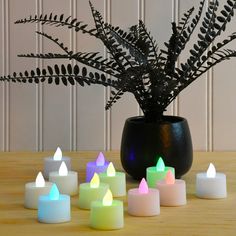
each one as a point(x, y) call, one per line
point(100, 159)
point(170, 179)
point(143, 187)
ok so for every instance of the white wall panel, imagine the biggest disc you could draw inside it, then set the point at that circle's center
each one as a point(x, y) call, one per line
point(56, 99)
point(224, 98)
point(158, 16)
point(46, 116)
point(22, 107)
point(125, 14)
point(193, 101)
point(90, 100)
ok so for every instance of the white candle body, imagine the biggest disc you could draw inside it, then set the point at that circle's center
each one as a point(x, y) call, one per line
point(117, 183)
point(172, 194)
point(67, 184)
point(147, 204)
point(51, 165)
point(107, 217)
point(211, 187)
point(87, 194)
point(54, 211)
point(32, 194)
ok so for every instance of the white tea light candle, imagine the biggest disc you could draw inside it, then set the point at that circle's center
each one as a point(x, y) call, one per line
point(93, 191)
point(143, 201)
point(66, 181)
point(115, 180)
point(211, 185)
point(54, 208)
point(34, 189)
point(107, 214)
point(172, 191)
point(53, 163)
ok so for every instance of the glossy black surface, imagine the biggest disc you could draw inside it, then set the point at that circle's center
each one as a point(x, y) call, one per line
point(142, 144)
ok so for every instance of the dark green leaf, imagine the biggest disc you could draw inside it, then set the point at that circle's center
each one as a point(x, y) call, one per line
point(76, 69)
point(84, 71)
point(221, 19)
point(57, 70)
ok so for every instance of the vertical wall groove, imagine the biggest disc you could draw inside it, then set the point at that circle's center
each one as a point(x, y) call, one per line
point(141, 16)
point(6, 71)
point(3, 70)
point(73, 89)
point(209, 108)
point(107, 17)
point(175, 18)
point(39, 99)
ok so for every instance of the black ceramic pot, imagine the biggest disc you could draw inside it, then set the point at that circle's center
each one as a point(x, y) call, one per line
point(142, 143)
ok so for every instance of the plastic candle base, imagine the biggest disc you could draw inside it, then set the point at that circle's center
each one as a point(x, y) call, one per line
point(107, 217)
point(172, 194)
point(32, 194)
point(211, 188)
point(116, 183)
point(54, 211)
point(67, 184)
point(143, 204)
point(88, 194)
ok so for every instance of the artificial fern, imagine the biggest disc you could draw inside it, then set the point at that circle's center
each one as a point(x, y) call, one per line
point(136, 64)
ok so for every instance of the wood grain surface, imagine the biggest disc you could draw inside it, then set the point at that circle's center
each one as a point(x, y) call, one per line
point(198, 217)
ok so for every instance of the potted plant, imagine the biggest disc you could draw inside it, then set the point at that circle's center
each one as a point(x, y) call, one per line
point(138, 66)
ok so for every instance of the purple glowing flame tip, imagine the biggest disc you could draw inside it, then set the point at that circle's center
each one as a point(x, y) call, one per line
point(100, 160)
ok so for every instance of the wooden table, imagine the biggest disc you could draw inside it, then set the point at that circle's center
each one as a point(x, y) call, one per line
point(198, 217)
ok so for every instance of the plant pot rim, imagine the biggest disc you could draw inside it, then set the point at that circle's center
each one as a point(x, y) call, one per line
point(166, 119)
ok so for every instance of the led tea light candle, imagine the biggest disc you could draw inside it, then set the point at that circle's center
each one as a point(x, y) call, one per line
point(92, 191)
point(98, 166)
point(107, 214)
point(158, 172)
point(116, 181)
point(53, 163)
point(54, 208)
point(211, 184)
point(66, 181)
point(34, 189)
point(143, 201)
point(172, 191)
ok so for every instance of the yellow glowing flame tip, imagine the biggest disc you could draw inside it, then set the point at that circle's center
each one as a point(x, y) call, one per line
point(108, 198)
point(111, 170)
point(95, 181)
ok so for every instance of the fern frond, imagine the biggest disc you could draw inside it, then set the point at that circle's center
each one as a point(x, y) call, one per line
point(56, 41)
point(127, 41)
point(97, 62)
point(59, 21)
point(185, 32)
point(63, 74)
point(119, 55)
point(113, 98)
point(146, 36)
point(48, 55)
